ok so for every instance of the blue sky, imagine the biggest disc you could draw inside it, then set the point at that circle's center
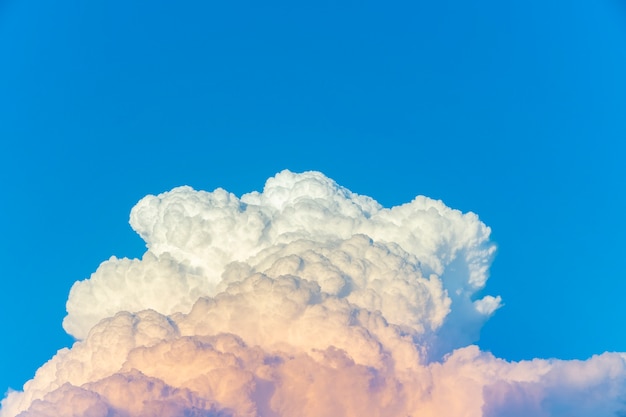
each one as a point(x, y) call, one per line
point(513, 110)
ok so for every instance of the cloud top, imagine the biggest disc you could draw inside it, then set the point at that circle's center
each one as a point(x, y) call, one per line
point(193, 236)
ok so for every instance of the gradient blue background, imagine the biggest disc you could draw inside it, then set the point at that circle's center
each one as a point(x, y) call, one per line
point(515, 110)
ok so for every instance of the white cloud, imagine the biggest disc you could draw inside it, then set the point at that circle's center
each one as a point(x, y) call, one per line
point(303, 300)
point(193, 235)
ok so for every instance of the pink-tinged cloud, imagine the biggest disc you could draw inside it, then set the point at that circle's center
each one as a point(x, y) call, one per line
point(303, 300)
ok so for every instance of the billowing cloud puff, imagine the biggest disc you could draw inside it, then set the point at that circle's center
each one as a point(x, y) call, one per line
point(194, 237)
point(303, 300)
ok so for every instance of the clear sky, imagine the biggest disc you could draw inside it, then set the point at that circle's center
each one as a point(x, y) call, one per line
point(514, 110)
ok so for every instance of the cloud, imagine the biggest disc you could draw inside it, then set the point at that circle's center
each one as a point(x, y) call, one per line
point(303, 300)
point(192, 236)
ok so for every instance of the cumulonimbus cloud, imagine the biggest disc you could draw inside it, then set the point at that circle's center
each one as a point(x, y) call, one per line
point(303, 300)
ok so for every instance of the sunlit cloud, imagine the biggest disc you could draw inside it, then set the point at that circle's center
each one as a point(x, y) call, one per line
point(303, 300)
